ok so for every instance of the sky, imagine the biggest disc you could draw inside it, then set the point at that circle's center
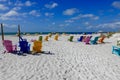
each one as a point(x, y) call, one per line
point(60, 15)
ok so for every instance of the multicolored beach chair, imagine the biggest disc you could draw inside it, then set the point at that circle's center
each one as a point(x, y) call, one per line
point(94, 41)
point(71, 38)
point(80, 39)
point(9, 47)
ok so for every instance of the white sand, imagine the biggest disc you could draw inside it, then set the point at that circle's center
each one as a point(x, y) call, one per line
point(69, 61)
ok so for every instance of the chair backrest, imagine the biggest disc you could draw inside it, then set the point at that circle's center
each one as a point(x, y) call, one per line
point(88, 39)
point(40, 38)
point(101, 39)
point(80, 39)
point(56, 37)
point(96, 38)
point(24, 47)
point(84, 37)
point(71, 38)
point(8, 45)
point(46, 38)
point(37, 43)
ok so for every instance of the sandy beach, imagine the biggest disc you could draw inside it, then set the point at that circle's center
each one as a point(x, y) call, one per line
point(66, 61)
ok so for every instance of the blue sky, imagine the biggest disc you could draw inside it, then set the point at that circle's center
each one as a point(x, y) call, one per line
point(60, 15)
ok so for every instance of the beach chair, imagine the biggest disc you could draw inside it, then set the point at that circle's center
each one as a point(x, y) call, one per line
point(46, 38)
point(37, 46)
point(84, 37)
point(24, 46)
point(40, 38)
point(71, 38)
point(94, 41)
point(101, 39)
point(116, 50)
point(56, 37)
point(118, 43)
point(10, 48)
point(80, 39)
point(88, 39)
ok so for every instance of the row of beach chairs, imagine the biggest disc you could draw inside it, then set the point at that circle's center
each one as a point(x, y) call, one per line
point(37, 44)
point(88, 39)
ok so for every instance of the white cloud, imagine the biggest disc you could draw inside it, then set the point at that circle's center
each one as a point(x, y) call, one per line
point(34, 13)
point(116, 4)
point(16, 8)
point(69, 21)
point(53, 23)
point(3, 7)
point(51, 5)
point(112, 25)
point(85, 16)
point(70, 12)
point(10, 25)
point(19, 3)
point(11, 13)
point(82, 16)
point(49, 14)
point(3, 0)
point(28, 3)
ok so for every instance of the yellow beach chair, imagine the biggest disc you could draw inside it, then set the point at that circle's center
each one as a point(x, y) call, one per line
point(37, 46)
point(46, 38)
point(56, 37)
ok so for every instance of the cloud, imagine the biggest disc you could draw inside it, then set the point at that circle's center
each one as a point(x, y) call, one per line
point(12, 15)
point(86, 16)
point(112, 25)
point(28, 3)
point(16, 8)
point(34, 13)
point(51, 5)
point(10, 25)
point(82, 16)
point(3, 7)
point(49, 14)
point(69, 21)
point(70, 12)
point(3, 0)
point(116, 4)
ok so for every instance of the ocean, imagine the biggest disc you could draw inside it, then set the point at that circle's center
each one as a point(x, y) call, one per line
point(23, 33)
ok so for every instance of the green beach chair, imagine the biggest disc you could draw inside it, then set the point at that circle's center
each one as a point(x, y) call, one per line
point(40, 38)
point(71, 38)
point(118, 43)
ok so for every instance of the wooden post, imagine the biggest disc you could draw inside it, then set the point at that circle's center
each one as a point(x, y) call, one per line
point(2, 32)
point(19, 32)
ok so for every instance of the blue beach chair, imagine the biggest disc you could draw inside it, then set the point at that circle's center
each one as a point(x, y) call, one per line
point(94, 41)
point(80, 39)
point(24, 46)
point(116, 50)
